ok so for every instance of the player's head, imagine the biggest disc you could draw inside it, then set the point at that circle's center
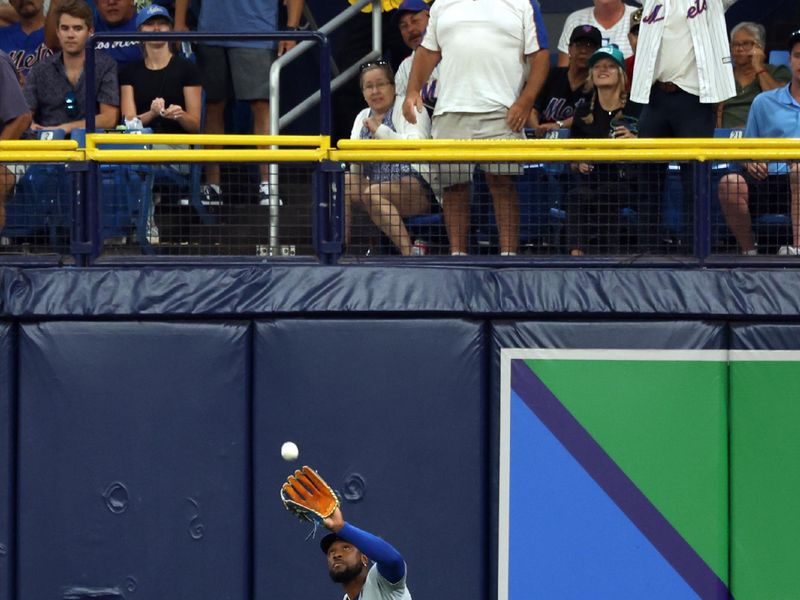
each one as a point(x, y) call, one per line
point(345, 561)
point(412, 19)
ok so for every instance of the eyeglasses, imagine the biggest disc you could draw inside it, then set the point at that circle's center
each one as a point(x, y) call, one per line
point(746, 45)
point(377, 86)
point(374, 63)
point(71, 104)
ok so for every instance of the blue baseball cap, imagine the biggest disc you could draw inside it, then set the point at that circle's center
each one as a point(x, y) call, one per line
point(150, 12)
point(412, 6)
point(611, 51)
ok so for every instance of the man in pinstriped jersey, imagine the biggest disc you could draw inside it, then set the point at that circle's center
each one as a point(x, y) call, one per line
point(683, 68)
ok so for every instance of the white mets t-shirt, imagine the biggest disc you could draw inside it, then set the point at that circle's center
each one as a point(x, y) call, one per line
point(484, 44)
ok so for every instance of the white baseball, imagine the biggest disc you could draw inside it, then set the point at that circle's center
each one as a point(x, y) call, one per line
point(290, 451)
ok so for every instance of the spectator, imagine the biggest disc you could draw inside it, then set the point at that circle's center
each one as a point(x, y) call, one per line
point(633, 39)
point(388, 192)
point(752, 73)
point(14, 120)
point(24, 41)
point(678, 95)
point(768, 187)
point(412, 17)
point(483, 95)
point(246, 63)
point(162, 90)
point(564, 92)
point(56, 87)
point(593, 206)
point(612, 19)
point(110, 16)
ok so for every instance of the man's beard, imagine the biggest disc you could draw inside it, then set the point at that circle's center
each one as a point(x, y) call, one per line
point(347, 575)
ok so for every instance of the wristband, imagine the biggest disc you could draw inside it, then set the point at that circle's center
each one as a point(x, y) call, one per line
point(760, 72)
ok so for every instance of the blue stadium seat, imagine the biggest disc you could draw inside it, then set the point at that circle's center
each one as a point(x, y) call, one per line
point(41, 202)
point(779, 57)
point(126, 194)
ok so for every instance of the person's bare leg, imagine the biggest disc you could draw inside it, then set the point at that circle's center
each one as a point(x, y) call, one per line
point(733, 198)
point(455, 206)
point(354, 188)
point(506, 211)
point(388, 202)
point(215, 125)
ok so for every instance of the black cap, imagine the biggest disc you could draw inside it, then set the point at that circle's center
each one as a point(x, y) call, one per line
point(326, 542)
point(794, 37)
point(586, 32)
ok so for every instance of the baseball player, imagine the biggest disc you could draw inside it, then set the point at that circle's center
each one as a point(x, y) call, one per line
point(349, 551)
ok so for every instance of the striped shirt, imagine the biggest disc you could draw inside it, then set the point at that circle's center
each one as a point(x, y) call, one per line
point(706, 22)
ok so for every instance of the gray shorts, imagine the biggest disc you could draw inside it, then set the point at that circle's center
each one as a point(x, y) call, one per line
point(247, 68)
point(473, 126)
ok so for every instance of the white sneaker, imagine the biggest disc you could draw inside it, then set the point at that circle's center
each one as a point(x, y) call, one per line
point(152, 233)
point(789, 251)
point(266, 193)
point(210, 195)
point(753, 252)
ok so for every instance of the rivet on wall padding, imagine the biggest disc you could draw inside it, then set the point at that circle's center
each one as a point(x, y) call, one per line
point(116, 497)
point(355, 486)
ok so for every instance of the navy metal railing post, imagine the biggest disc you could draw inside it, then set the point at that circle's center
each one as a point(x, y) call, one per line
point(328, 211)
point(702, 210)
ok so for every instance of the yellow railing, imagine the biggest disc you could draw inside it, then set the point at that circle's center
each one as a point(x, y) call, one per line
point(311, 148)
point(284, 148)
point(23, 151)
point(701, 149)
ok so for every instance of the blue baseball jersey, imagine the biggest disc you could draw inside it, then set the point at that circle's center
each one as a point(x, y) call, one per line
point(25, 50)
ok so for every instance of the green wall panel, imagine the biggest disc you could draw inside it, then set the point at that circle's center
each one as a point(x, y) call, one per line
point(765, 480)
point(665, 424)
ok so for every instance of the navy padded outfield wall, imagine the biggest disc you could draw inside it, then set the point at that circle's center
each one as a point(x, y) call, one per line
point(142, 410)
point(392, 412)
point(6, 454)
point(134, 460)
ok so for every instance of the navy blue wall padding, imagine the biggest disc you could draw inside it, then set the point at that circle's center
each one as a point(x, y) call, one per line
point(764, 336)
point(662, 335)
point(392, 413)
point(446, 289)
point(6, 460)
point(134, 460)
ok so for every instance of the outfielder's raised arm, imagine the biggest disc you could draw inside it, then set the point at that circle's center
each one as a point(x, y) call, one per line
point(390, 562)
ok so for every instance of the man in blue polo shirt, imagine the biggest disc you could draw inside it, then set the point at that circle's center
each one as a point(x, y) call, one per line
point(23, 41)
point(767, 188)
point(110, 16)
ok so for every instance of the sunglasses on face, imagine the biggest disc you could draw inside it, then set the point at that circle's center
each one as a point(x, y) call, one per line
point(71, 104)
